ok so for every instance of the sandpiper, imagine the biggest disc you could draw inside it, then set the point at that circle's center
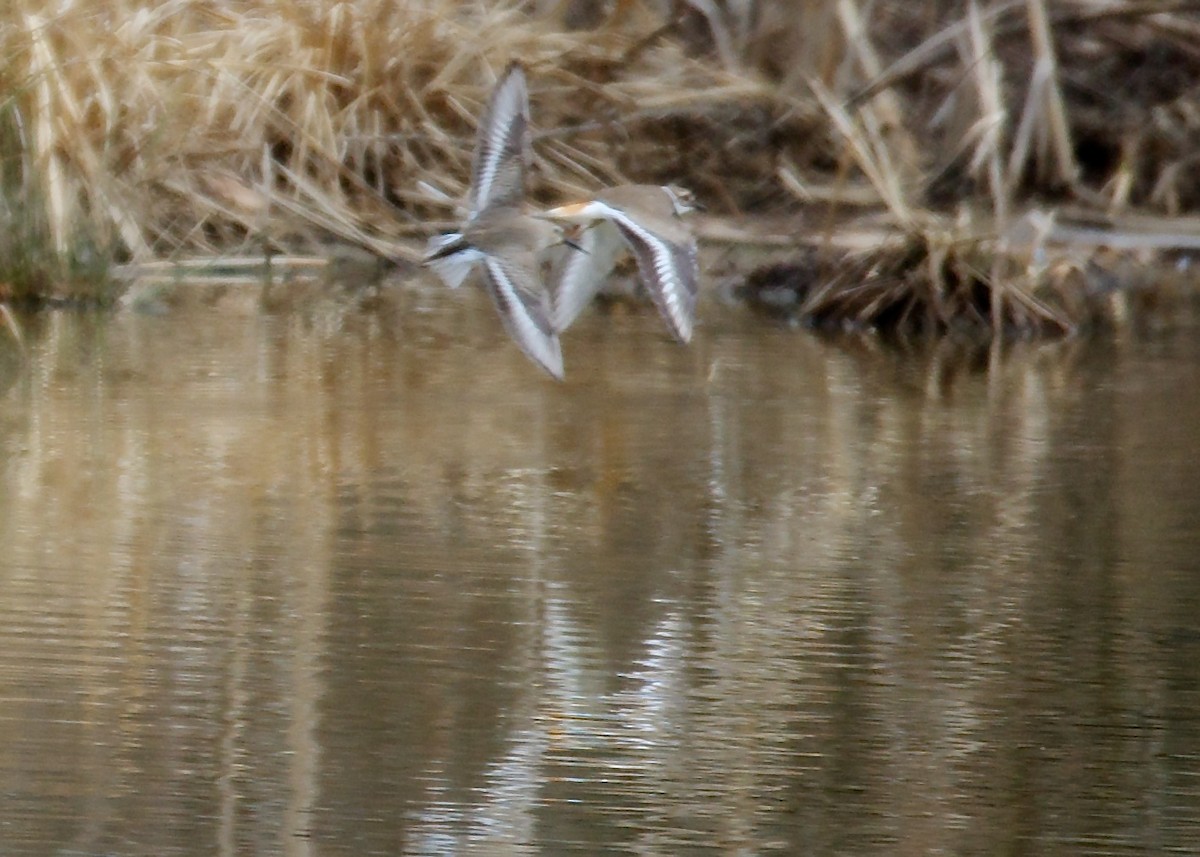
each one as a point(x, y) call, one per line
point(510, 245)
point(647, 219)
point(498, 233)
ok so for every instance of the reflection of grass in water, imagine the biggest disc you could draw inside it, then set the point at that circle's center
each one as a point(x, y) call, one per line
point(9, 322)
point(31, 270)
point(12, 348)
point(35, 264)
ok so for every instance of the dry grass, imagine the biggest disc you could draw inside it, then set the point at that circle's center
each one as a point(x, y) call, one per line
point(1006, 104)
point(193, 126)
point(138, 132)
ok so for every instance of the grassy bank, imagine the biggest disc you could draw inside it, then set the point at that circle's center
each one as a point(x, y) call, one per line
point(990, 140)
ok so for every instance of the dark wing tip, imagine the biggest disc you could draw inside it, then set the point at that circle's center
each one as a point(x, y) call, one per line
point(514, 66)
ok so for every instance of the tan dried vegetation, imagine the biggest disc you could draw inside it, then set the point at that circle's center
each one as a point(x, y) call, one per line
point(979, 150)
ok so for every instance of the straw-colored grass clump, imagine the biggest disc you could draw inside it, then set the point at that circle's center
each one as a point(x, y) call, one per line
point(194, 126)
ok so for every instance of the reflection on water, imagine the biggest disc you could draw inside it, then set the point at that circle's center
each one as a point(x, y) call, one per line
point(361, 581)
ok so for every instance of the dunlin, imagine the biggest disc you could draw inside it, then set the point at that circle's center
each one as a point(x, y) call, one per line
point(498, 234)
point(648, 220)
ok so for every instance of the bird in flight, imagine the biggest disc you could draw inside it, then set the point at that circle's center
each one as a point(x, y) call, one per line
point(498, 234)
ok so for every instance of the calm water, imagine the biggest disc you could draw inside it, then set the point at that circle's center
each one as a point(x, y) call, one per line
point(358, 581)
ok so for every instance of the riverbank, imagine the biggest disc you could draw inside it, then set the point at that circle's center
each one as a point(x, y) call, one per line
point(965, 136)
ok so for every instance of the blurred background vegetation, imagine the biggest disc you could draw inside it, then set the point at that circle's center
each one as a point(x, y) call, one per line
point(963, 134)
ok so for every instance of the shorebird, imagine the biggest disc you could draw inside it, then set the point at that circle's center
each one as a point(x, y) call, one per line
point(648, 220)
point(498, 234)
point(510, 245)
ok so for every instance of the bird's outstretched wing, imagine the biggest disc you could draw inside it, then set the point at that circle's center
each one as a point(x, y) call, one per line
point(502, 146)
point(580, 272)
point(524, 307)
point(669, 269)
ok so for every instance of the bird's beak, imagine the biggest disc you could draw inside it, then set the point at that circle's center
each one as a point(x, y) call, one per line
point(571, 238)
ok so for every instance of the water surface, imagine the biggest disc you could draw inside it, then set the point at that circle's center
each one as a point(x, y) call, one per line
point(357, 579)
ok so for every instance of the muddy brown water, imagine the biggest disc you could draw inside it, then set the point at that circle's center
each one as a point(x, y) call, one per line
point(350, 579)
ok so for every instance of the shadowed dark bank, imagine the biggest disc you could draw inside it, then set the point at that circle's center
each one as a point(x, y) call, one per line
point(995, 166)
